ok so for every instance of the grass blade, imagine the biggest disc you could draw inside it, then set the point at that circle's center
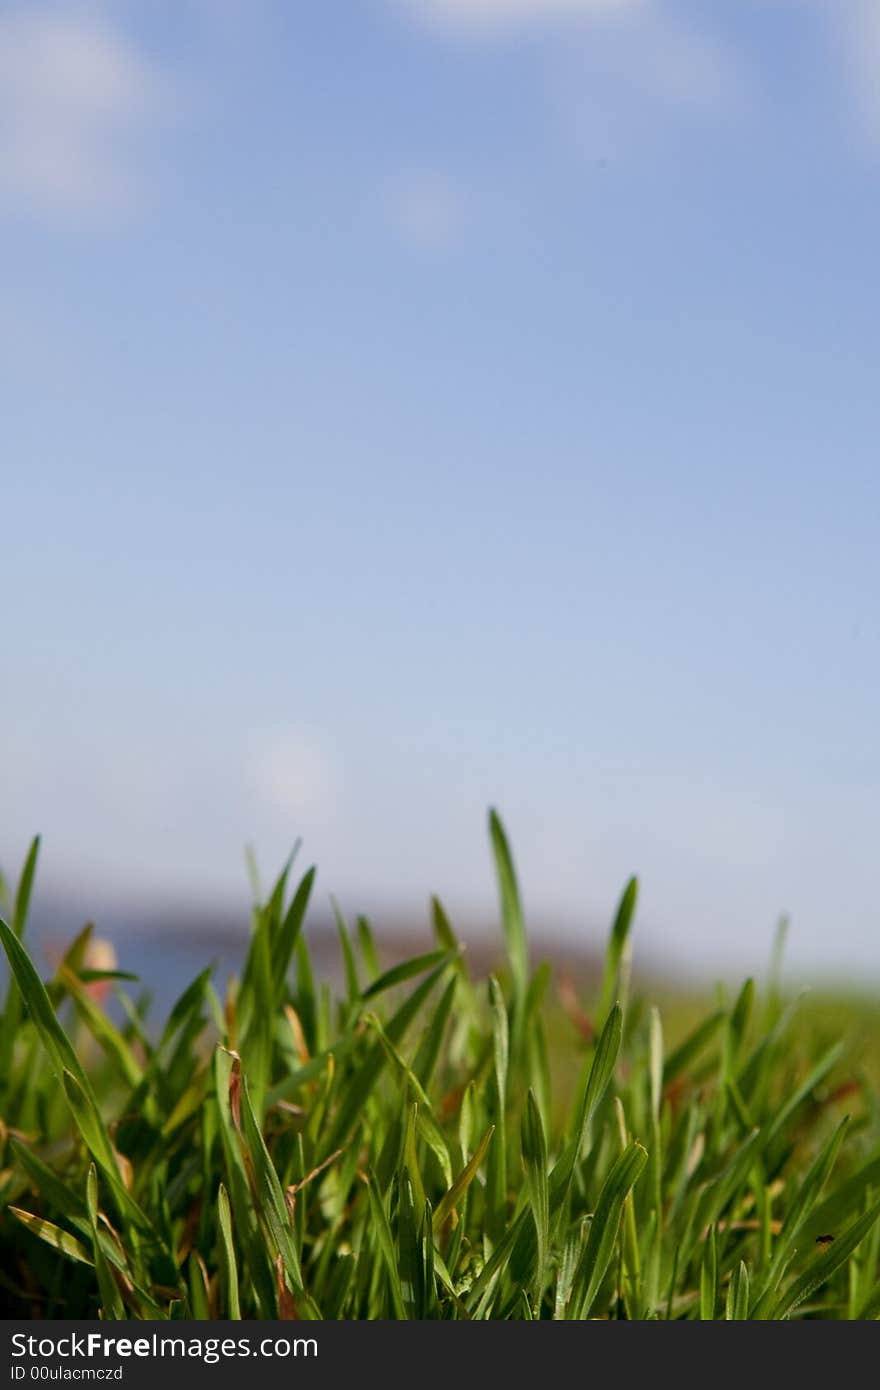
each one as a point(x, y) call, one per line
point(534, 1157)
point(512, 920)
point(53, 1235)
point(230, 1266)
point(738, 1295)
point(604, 1228)
point(821, 1269)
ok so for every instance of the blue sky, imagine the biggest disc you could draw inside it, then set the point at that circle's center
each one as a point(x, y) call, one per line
point(411, 405)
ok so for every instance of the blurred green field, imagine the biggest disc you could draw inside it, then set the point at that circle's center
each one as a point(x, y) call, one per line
point(430, 1145)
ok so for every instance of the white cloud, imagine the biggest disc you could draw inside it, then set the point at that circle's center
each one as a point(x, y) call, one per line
point(294, 777)
point(622, 88)
point(691, 68)
point(428, 212)
point(75, 95)
point(860, 29)
point(848, 33)
point(487, 17)
point(615, 67)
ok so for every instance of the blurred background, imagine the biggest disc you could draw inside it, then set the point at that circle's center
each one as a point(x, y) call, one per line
point(408, 406)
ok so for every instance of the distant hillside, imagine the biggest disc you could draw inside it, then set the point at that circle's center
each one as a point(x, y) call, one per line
point(166, 947)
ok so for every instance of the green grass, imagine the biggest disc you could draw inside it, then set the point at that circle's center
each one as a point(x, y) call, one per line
point(418, 1148)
